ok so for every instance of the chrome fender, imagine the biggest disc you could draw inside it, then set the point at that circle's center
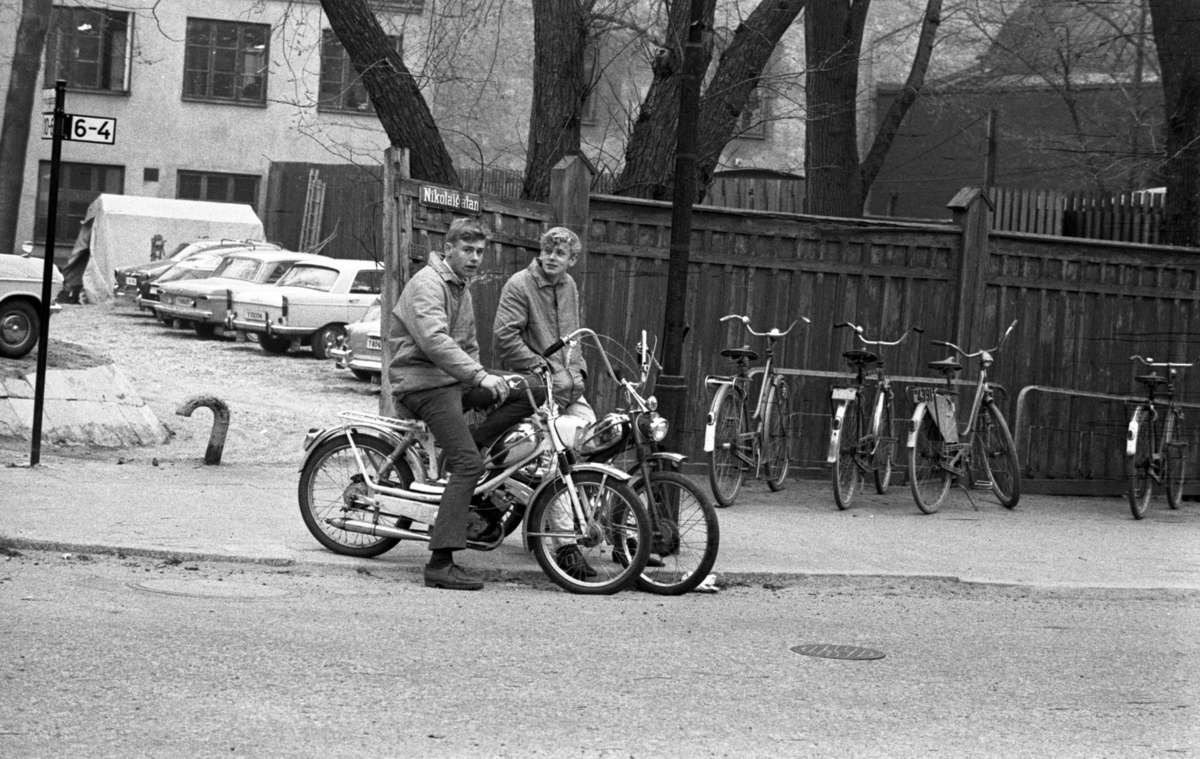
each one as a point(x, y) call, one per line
point(606, 469)
point(842, 396)
point(317, 437)
point(675, 459)
point(916, 419)
point(710, 421)
point(1131, 435)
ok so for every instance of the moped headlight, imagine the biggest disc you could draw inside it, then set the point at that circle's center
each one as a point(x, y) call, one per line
point(653, 426)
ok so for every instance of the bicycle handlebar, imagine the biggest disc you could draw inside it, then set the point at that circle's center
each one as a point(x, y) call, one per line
point(859, 331)
point(1152, 362)
point(977, 353)
point(773, 333)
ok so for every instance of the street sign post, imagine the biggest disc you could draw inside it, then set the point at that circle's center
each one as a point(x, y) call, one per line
point(58, 126)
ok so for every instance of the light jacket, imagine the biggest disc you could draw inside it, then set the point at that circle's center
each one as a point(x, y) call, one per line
point(432, 332)
point(534, 312)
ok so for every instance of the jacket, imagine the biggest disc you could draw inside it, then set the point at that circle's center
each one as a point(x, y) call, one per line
point(432, 333)
point(532, 314)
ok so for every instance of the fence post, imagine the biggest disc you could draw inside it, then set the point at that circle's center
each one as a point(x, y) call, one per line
point(397, 236)
point(570, 188)
point(972, 214)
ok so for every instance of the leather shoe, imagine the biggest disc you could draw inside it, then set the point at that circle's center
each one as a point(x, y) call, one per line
point(451, 577)
point(573, 562)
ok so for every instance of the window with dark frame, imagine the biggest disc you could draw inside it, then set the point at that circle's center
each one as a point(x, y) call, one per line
point(78, 185)
point(752, 123)
point(226, 61)
point(342, 90)
point(89, 49)
point(218, 187)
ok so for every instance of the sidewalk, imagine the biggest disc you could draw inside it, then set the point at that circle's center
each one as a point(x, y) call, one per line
point(249, 513)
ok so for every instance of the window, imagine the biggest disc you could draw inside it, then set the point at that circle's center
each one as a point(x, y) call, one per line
point(226, 61)
point(341, 87)
point(219, 188)
point(89, 49)
point(368, 281)
point(78, 185)
point(752, 124)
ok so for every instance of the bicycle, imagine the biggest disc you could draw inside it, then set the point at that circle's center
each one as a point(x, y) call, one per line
point(938, 451)
point(858, 445)
point(729, 443)
point(1154, 452)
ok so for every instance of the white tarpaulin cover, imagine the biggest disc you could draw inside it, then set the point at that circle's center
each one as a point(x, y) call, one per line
point(118, 230)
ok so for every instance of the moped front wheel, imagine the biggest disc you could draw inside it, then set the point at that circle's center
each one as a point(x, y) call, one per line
point(725, 467)
point(999, 456)
point(776, 444)
point(885, 444)
point(686, 536)
point(601, 556)
point(927, 479)
point(845, 465)
point(332, 485)
point(1139, 464)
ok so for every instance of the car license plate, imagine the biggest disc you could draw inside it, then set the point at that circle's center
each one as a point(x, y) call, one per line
point(373, 344)
point(257, 315)
point(131, 281)
point(188, 302)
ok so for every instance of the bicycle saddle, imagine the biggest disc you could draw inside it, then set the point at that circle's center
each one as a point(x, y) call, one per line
point(857, 357)
point(946, 366)
point(1153, 379)
point(740, 353)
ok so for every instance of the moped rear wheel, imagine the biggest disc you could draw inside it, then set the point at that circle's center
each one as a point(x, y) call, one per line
point(686, 536)
point(600, 557)
point(332, 485)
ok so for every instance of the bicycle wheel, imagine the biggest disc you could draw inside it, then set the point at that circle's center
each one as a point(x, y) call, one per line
point(999, 455)
point(686, 536)
point(725, 469)
point(883, 431)
point(1174, 459)
point(598, 558)
point(1139, 463)
point(331, 485)
point(776, 445)
point(845, 468)
point(927, 479)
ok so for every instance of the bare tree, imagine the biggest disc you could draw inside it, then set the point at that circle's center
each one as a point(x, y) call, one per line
point(394, 92)
point(1176, 31)
point(18, 111)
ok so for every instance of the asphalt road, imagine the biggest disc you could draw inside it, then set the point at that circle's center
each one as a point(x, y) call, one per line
point(112, 656)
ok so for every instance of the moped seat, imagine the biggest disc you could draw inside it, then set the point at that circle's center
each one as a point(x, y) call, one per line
point(946, 366)
point(1151, 380)
point(740, 353)
point(860, 357)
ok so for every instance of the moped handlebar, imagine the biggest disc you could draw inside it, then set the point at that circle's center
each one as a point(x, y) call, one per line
point(772, 333)
point(859, 331)
point(977, 353)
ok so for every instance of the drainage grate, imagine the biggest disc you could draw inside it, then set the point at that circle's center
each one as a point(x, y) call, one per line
point(833, 651)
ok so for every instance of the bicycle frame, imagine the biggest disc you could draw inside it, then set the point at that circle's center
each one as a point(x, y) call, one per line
point(840, 397)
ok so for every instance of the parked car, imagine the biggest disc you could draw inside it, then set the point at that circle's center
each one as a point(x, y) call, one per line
point(204, 304)
point(200, 266)
point(130, 281)
point(361, 350)
point(21, 303)
point(310, 305)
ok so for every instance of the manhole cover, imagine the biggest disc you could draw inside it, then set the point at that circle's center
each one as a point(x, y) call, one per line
point(833, 651)
point(200, 588)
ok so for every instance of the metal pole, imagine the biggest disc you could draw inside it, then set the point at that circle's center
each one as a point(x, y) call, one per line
point(39, 393)
point(671, 388)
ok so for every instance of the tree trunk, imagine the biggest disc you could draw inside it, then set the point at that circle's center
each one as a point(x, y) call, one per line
point(1176, 31)
point(398, 101)
point(832, 40)
point(559, 44)
point(650, 154)
point(736, 77)
point(18, 112)
point(899, 108)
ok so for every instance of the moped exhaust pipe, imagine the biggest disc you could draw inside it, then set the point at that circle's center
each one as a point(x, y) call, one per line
point(378, 530)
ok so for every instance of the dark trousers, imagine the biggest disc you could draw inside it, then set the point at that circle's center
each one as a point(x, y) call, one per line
point(441, 408)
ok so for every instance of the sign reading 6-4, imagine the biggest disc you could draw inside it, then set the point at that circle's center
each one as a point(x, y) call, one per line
point(82, 128)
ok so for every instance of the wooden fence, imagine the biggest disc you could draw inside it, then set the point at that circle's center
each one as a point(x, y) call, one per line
point(1123, 217)
point(1082, 307)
